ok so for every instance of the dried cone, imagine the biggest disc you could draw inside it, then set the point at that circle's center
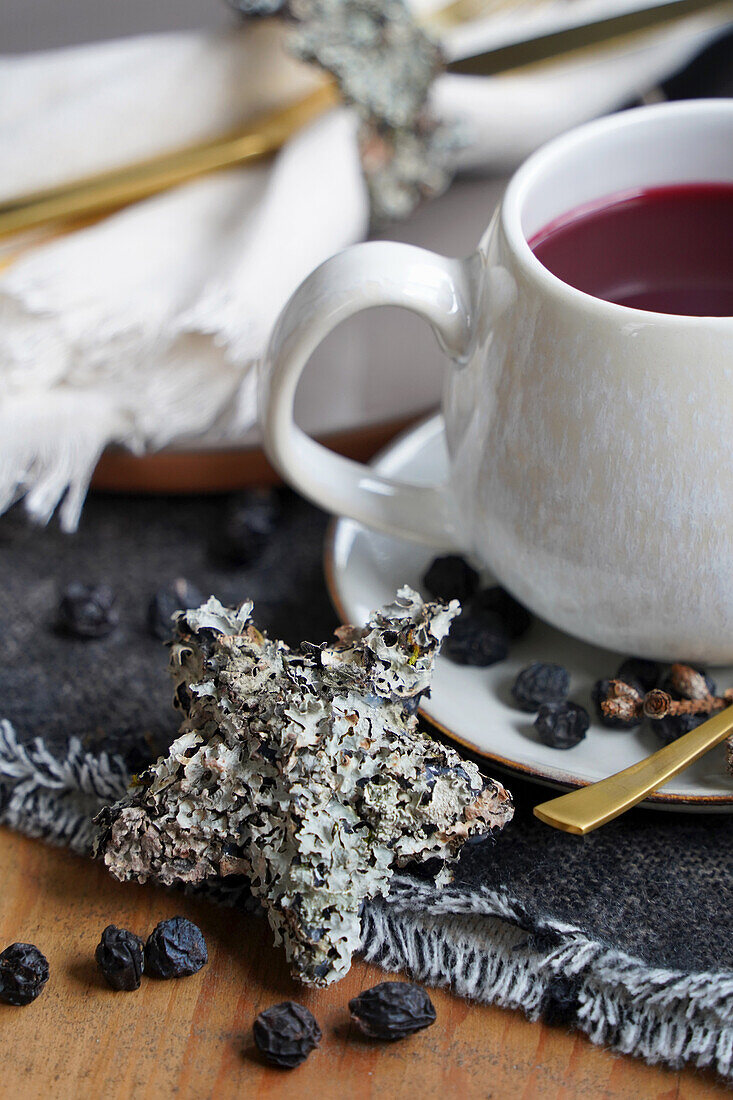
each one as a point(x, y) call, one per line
point(622, 701)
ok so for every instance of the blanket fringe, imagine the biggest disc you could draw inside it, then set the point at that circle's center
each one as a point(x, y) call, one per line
point(483, 945)
point(43, 795)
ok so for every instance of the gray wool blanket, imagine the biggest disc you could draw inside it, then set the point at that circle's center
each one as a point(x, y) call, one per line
point(625, 934)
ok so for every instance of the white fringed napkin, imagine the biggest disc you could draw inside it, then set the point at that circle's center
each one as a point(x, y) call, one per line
point(141, 329)
point(144, 329)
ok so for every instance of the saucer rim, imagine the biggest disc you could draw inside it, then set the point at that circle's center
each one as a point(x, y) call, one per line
point(531, 772)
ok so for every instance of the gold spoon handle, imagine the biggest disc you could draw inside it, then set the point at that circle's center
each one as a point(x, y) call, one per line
point(586, 809)
point(120, 186)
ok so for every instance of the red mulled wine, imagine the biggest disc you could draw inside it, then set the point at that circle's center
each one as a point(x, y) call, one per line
point(666, 249)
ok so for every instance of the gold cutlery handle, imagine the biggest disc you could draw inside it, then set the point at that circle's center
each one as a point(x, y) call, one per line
point(98, 194)
point(120, 186)
point(579, 38)
point(586, 809)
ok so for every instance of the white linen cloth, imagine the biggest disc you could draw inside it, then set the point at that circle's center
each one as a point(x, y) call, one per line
point(144, 329)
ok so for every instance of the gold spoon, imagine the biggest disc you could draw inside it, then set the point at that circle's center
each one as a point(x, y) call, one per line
point(586, 809)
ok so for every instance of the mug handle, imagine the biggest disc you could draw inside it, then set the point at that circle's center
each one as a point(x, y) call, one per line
point(373, 274)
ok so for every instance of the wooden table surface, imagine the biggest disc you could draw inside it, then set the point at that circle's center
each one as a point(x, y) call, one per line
point(191, 1039)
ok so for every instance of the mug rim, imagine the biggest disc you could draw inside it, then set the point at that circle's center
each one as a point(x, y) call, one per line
point(527, 173)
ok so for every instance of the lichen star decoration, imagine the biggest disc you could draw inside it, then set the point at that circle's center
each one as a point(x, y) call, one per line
point(304, 771)
point(385, 65)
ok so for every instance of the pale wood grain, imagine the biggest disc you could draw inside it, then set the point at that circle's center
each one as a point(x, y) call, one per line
point(191, 1038)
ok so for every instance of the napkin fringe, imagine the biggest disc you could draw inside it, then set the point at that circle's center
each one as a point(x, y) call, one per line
point(483, 945)
point(51, 443)
point(52, 439)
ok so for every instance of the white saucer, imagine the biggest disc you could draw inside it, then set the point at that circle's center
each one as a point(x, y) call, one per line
point(473, 706)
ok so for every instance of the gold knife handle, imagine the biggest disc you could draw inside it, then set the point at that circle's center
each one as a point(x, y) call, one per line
point(586, 809)
point(578, 38)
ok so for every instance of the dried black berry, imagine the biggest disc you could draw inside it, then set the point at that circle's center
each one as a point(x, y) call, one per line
point(673, 726)
point(179, 595)
point(392, 1010)
point(515, 617)
point(249, 525)
point(561, 1001)
point(686, 682)
point(451, 578)
point(600, 693)
point(286, 1034)
point(478, 640)
point(88, 611)
point(639, 673)
point(120, 957)
point(23, 973)
point(561, 725)
point(175, 949)
point(540, 683)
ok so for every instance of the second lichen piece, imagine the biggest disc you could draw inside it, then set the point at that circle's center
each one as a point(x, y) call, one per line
point(385, 65)
point(304, 771)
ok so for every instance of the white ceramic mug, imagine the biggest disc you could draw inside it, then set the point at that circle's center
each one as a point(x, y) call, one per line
point(591, 444)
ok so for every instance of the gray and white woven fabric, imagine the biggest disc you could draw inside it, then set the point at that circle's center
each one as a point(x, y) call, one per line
point(625, 934)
